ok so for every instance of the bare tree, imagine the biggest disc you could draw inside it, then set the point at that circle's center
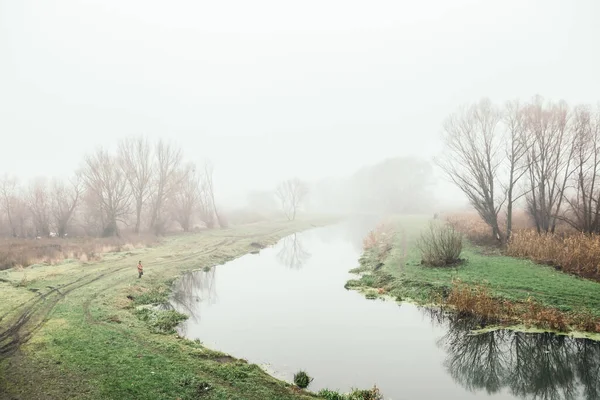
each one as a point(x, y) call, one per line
point(38, 202)
point(291, 194)
point(135, 158)
point(518, 144)
point(549, 161)
point(472, 159)
point(64, 199)
point(584, 207)
point(187, 196)
point(8, 188)
point(209, 190)
point(168, 160)
point(107, 185)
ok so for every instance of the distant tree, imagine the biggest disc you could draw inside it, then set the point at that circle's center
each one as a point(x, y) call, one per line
point(8, 198)
point(291, 194)
point(135, 159)
point(396, 185)
point(64, 198)
point(168, 159)
point(38, 202)
point(186, 198)
point(107, 186)
point(209, 190)
point(472, 159)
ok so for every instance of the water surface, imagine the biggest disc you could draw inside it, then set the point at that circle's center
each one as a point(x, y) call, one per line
point(287, 308)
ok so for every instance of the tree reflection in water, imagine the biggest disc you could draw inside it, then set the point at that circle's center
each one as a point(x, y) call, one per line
point(292, 254)
point(193, 288)
point(539, 366)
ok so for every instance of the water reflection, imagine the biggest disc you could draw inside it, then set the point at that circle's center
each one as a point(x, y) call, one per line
point(540, 366)
point(292, 253)
point(192, 289)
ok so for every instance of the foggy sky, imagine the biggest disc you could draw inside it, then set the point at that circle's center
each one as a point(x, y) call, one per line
point(273, 89)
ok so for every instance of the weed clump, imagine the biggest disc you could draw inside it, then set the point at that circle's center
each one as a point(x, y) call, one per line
point(440, 246)
point(302, 379)
point(356, 394)
point(156, 295)
point(161, 321)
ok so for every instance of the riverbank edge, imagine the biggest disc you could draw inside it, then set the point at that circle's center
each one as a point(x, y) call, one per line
point(270, 373)
point(163, 287)
point(378, 290)
point(171, 282)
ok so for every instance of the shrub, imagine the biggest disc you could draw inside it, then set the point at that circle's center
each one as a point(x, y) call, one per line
point(440, 246)
point(302, 379)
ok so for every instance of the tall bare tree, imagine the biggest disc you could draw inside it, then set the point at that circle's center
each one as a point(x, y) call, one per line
point(8, 198)
point(517, 146)
point(38, 202)
point(291, 194)
point(64, 198)
point(584, 205)
point(187, 196)
point(473, 156)
point(549, 160)
point(135, 158)
point(167, 163)
point(108, 186)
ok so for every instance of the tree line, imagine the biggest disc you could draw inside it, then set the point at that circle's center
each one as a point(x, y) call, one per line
point(543, 153)
point(143, 186)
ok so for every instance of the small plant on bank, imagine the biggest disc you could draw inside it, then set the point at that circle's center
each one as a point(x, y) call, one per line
point(440, 245)
point(356, 394)
point(302, 379)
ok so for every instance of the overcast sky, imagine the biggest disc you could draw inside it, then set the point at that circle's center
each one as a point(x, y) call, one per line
point(272, 89)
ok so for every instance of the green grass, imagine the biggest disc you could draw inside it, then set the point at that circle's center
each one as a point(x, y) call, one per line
point(98, 343)
point(506, 277)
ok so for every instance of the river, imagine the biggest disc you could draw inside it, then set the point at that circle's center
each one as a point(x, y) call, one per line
point(286, 308)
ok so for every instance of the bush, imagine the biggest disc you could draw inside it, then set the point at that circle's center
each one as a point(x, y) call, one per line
point(302, 380)
point(440, 246)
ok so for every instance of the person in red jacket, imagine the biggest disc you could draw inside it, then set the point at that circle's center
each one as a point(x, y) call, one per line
point(140, 269)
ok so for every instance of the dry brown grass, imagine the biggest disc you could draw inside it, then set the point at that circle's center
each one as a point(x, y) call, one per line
point(16, 253)
point(378, 244)
point(382, 236)
point(575, 253)
point(476, 301)
point(471, 225)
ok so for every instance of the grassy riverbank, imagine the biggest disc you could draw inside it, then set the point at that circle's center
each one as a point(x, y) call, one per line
point(517, 291)
point(84, 338)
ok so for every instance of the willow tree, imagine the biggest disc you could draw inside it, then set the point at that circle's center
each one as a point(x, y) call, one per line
point(473, 157)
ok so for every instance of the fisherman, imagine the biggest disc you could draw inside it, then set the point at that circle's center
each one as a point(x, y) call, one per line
point(140, 269)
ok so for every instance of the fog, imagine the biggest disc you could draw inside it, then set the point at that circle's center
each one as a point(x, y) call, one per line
point(268, 90)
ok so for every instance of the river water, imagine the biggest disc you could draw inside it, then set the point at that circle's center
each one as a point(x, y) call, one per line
point(286, 308)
